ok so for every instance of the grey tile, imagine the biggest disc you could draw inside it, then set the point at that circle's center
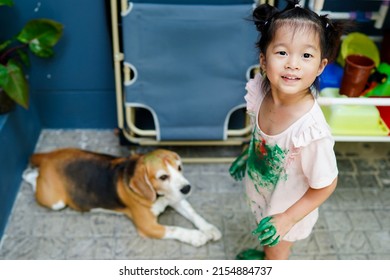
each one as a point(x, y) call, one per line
point(104, 248)
point(383, 217)
point(354, 242)
point(353, 256)
point(326, 242)
point(303, 257)
point(347, 181)
point(379, 240)
point(49, 224)
point(79, 226)
point(20, 225)
point(19, 248)
point(382, 164)
point(321, 223)
point(308, 246)
point(52, 248)
point(363, 220)
point(345, 165)
point(188, 251)
point(135, 247)
point(331, 203)
point(379, 256)
point(364, 165)
point(163, 249)
point(326, 257)
point(384, 198)
point(216, 249)
point(384, 178)
point(350, 199)
point(123, 226)
point(235, 242)
point(368, 180)
point(337, 220)
point(90, 224)
point(81, 248)
point(372, 198)
point(237, 221)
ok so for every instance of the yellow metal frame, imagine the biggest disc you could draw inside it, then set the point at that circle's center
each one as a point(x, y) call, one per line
point(125, 114)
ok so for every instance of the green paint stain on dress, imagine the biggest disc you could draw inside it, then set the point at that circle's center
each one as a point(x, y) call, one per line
point(265, 164)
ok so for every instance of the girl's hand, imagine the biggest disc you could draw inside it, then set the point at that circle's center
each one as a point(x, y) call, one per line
point(238, 167)
point(272, 229)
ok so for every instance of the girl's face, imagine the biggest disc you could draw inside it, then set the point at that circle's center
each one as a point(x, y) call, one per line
point(293, 60)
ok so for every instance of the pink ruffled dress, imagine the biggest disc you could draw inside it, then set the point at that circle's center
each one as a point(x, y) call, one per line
point(282, 167)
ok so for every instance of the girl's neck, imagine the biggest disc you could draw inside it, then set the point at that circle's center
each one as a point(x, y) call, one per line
point(285, 100)
point(279, 111)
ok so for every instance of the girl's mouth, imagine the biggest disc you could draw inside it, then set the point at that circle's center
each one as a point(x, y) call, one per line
point(291, 78)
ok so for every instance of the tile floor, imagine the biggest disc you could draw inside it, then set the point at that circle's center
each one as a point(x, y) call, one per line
point(354, 223)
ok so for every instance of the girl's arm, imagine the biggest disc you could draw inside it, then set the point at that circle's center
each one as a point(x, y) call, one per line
point(312, 199)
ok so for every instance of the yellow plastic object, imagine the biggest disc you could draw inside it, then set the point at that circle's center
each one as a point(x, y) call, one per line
point(363, 120)
point(358, 43)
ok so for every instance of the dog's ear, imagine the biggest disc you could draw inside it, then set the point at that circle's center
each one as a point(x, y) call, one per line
point(140, 183)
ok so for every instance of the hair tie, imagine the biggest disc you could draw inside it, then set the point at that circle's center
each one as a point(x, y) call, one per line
point(327, 24)
point(297, 5)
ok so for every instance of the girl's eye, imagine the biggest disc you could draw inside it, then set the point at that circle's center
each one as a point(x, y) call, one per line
point(307, 55)
point(282, 53)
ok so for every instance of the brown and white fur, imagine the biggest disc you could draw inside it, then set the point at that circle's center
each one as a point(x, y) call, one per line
point(139, 186)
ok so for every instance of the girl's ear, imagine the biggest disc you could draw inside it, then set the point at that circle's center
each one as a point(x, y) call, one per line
point(262, 62)
point(323, 63)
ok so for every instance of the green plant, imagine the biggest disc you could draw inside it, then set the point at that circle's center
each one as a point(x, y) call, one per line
point(38, 36)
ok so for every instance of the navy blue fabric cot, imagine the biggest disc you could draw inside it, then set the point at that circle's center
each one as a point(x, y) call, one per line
point(189, 65)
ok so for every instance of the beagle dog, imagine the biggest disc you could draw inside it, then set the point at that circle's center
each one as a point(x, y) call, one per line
point(140, 186)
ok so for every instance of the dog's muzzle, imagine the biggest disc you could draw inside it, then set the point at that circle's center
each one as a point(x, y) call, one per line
point(186, 189)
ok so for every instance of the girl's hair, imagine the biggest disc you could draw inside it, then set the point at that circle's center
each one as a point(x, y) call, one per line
point(268, 19)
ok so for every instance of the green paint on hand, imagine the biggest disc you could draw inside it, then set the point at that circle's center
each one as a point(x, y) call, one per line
point(238, 167)
point(267, 232)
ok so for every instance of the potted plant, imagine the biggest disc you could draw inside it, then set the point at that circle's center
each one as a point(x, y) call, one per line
point(38, 37)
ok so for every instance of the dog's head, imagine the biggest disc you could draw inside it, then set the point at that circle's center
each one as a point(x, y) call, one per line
point(160, 172)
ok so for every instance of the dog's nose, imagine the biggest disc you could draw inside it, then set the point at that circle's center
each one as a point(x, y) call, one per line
point(186, 189)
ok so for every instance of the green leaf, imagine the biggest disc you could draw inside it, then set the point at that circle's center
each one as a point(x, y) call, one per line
point(41, 50)
point(14, 83)
point(41, 35)
point(6, 2)
point(5, 44)
point(24, 58)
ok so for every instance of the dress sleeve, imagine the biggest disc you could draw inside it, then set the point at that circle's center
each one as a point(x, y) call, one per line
point(319, 163)
point(253, 96)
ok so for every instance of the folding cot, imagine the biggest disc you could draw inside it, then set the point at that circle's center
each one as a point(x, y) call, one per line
point(181, 71)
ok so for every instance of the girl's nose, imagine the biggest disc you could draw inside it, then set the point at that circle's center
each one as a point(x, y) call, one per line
point(292, 63)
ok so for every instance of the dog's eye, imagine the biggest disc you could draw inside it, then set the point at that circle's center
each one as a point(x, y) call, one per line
point(179, 168)
point(163, 177)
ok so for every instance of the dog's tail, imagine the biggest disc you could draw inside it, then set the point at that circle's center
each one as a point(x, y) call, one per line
point(30, 175)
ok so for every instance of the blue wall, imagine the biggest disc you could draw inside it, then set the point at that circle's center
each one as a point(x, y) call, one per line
point(19, 131)
point(74, 89)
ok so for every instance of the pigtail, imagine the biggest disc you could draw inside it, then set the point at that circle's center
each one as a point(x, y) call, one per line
point(333, 30)
point(291, 4)
point(262, 16)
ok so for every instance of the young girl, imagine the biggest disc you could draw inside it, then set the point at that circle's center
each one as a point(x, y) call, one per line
point(290, 166)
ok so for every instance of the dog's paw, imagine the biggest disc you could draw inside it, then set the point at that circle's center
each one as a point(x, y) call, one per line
point(193, 237)
point(212, 232)
point(198, 238)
